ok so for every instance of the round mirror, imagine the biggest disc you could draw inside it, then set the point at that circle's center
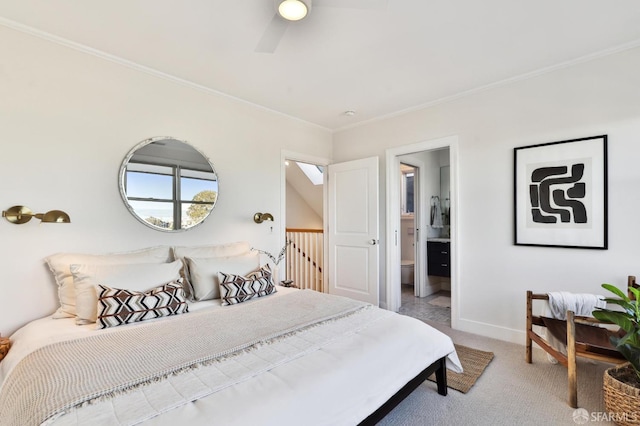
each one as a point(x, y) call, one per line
point(167, 184)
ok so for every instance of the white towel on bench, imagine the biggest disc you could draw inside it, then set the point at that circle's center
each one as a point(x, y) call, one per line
point(582, 304)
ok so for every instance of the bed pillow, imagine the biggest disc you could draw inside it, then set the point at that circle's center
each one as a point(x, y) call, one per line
point(236, 289)
point(135, 276)
point(119, 307)
point(220, 250)
point(60, 267)
point(203, 272)
point(215, 250)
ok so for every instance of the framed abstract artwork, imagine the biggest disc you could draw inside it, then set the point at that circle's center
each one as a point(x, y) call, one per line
point(560, 194)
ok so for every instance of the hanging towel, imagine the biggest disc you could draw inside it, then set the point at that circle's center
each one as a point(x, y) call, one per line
point(436, 213)
point(562, 301)
point(581, 304)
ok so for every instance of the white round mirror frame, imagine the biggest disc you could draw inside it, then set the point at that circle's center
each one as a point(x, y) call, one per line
point(122, 176)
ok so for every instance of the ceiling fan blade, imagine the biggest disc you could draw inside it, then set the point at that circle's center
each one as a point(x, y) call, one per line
point(272, 35)
point(352, 4)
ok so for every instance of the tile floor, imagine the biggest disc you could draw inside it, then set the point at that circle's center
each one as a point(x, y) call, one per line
point(419, 307)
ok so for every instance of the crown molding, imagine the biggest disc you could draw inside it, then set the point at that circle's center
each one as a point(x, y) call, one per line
point(526, 76)
point(142, 68)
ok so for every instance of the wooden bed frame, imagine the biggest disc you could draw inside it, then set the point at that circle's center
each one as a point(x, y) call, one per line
point(439, 367)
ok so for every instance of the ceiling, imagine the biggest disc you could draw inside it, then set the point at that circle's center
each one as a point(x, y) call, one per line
point(375, 57)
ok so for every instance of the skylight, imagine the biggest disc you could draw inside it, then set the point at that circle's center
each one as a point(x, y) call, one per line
point(313, 172)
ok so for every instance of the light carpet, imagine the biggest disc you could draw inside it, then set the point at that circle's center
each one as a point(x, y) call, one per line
point(510, 391)
point(473, 362)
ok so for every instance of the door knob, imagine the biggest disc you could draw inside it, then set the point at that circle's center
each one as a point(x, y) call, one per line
point(373, 242)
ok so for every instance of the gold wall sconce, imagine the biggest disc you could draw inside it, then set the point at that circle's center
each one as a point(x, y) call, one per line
point(261, 217)
point(21, 214)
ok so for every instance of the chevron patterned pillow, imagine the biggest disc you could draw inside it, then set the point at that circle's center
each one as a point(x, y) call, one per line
point(237, 289)
point(118, 307)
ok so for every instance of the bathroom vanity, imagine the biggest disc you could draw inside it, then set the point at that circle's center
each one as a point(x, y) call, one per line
point(439, 257)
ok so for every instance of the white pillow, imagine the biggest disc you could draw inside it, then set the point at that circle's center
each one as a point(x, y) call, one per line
point(203, 272)
point(136, 277)
point(59, 264)
point(220, 250)
point(217, 250)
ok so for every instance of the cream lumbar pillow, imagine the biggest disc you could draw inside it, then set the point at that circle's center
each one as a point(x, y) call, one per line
point(137, 277)
point(203, 272)
point(60, 267)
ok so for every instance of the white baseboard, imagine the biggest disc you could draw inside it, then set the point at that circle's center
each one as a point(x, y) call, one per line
point(490, 330)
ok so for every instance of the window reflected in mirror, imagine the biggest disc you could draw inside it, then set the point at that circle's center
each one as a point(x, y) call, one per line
point(168, 185)
point(407, 189)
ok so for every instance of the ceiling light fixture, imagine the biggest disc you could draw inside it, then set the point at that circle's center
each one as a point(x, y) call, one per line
point(293, 10)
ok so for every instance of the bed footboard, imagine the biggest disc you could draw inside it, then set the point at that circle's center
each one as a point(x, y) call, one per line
point(439, 368)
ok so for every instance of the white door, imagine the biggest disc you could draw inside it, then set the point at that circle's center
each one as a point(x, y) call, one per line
point(353, 250)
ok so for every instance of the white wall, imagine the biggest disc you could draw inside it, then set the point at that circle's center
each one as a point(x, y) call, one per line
point(407, 238)
point(300, 214)
point(587, 99)
point(68, 119)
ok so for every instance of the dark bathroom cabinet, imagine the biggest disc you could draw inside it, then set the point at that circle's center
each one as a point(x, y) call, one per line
point(439, 258)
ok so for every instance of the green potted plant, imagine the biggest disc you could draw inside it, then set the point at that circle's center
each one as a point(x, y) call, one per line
point(622, 383)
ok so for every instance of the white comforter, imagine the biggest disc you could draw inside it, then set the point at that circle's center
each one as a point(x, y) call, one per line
point(337, 373)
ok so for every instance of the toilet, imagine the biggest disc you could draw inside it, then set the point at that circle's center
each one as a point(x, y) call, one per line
point(406, 272)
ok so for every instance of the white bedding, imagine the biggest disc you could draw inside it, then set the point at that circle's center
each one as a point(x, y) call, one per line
point(345, 372)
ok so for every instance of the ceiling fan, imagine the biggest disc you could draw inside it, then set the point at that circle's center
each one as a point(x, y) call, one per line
point(287, 11)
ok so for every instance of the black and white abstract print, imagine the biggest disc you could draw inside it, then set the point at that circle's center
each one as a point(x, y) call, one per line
point(561, 193)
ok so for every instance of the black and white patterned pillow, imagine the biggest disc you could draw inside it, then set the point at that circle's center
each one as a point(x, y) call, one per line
point(237, 289)
point(118, 307)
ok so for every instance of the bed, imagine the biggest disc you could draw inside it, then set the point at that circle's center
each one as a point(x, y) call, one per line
point(288, 357)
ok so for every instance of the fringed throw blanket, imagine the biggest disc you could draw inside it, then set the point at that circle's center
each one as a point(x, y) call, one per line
point(67, 374)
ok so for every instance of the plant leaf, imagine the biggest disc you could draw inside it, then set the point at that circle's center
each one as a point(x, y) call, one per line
point(636, 293)
point(628, 307)
point(629, 321)
point(619, 318)
point(631, 354)
point(615, 290)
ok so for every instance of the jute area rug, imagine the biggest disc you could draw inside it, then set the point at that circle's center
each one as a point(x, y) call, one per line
point(473, 362)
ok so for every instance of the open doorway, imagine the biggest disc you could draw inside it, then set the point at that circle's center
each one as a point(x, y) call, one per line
point(434, 232)
point(304, 227)
point(408, 237)
point(425, 292)
point(357, 212)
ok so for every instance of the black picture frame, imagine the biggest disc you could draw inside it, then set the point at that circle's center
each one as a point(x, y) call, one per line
point(560, 194)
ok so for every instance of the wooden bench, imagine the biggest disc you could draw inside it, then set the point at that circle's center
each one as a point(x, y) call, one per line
point(583, 336)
